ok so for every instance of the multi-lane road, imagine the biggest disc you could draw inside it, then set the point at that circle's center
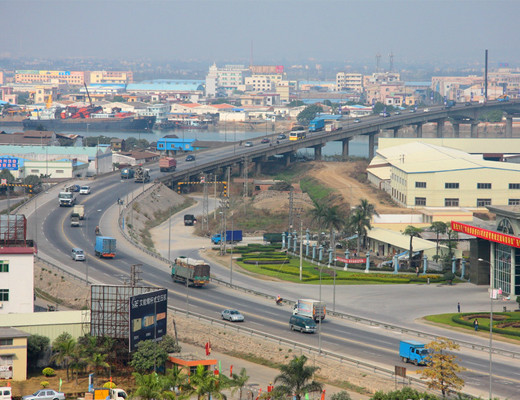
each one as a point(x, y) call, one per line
point(51, 227)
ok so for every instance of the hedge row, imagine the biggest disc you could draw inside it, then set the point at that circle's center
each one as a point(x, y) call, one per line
point(287, 269)
point(458, 320)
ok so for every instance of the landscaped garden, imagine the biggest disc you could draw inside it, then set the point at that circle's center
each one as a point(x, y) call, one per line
point(271, 260)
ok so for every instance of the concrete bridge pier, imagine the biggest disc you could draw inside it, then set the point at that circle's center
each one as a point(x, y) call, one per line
point(474, 129)
point(456, 129)
point(440, 127)
point(258, 164)
point(509, 126)
point(287, 159)
point(371, 144)
point(344, 150)
point(395, 132)
point(317, 152)
point(418, 130)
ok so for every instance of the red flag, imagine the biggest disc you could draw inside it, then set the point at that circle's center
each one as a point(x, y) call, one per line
point(270, 388)
point(323, 395)
point(231, 370)
point(216, 371)
point(208, 348)
point(259, 392)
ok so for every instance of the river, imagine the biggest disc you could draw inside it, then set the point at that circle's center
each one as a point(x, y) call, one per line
point(358, 146)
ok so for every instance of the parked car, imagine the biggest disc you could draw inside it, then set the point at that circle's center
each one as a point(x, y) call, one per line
point(78, 254)
point(190, 158)
point(45, 394)
point(249, 144)
point(232, 315)
point(265, 140)
point(281, 136)
point(84, 190)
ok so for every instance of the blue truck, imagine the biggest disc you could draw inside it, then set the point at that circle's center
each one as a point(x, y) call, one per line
point(105, 247)
point(414, 352)
point(127, 173)
point(231, 237)
point(317, 124)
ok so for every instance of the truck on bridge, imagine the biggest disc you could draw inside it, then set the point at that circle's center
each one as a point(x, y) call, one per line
point(316, 125)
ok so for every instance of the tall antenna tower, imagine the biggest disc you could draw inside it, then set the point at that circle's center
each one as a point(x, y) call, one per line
point(391, 55)
point(378, 62)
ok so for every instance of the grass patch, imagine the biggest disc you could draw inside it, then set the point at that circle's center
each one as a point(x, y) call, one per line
point(315, 189)
point(46, 296)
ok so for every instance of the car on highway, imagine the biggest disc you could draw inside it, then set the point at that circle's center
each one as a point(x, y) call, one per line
point(426, 110)
point(412, 110)
point(281, 136)
point(357, 120)
point(78, 254)
point(190, 157)
point(84, 190)
point(249, 144)
point(232, 315)
point(75, 188)
point(45, 394)
point(397, 113)
point(265, 140)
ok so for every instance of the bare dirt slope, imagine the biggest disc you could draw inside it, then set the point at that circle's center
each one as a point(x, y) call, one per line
point(337, 175)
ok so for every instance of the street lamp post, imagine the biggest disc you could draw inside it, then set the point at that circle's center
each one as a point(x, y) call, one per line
point(491, 297)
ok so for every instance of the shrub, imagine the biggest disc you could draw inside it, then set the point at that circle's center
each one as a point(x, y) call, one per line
point(449, 277)
point(44, 384)
point(48, 371)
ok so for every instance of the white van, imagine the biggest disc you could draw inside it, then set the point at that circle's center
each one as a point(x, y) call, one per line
point(6, 393)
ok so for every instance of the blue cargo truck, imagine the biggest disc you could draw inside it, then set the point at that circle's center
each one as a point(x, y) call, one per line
point(317, 124)
point(414, 352)
point(105, 247)
point(231, 237)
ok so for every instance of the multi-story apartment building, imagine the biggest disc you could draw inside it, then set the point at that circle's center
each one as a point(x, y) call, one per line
point(56, 77)
point(225, 79)
point(116, 77)
point(260, 83)
point(349, 81)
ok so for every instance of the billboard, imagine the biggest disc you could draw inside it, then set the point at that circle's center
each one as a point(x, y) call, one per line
point(10, 163)
point(147, 317)
point(266, 69)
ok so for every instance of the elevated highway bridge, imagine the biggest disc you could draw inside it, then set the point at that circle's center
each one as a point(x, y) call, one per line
point(210, 161)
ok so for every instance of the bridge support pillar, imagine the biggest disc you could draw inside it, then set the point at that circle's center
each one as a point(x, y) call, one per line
point(440, 127)
point(371, 145)
point(456, 129)
point(344, 149)
point(395, 132)
point(418, 130)
point(509, 126)
point(258, 165)
point(287, 159)
point(474, 129)
point(317, 152)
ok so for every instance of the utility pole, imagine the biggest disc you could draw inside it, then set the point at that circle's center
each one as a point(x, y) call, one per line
point(135, 274)
point(205, 202)
point(291, 207)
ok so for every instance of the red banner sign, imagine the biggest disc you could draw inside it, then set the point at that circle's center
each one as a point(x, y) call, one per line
point(486, 234)
point(352, 260)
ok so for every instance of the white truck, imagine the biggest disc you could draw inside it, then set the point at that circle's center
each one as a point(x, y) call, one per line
point(78, 211)
point(67, 199)
point(310, 308)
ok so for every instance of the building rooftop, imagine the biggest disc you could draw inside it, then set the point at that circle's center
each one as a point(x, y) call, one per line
point(8, 333)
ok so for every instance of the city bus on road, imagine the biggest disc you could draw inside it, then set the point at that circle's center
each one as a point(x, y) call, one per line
point(297, 132)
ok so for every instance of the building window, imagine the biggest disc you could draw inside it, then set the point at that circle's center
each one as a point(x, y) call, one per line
point(60, 171)
point(420, 201)
point(4, 266)
point(6, 342)
point(420, 184)
point(514, 202)
point(483, 202)
point(514, 186)
point(483, 185)
point(451, 202)
point(451, 185)
point(4, 294)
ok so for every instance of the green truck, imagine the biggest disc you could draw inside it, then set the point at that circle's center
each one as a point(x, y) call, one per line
point(190, 271)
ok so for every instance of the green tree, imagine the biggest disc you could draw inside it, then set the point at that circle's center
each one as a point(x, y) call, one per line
point(169, 344)
point(97, 362)
point(37, 345)
point(343, 395)
point(308, 113)
point(442, 368)
point(63, 348)
point(296, 379)
point(439, 228)
point(411, 231)
point(149, 386)
point(296, 103)
point(205, 384)
point(148, 356)
point(368, 210)
point(239, 381)
point(359, 224)
point(93, 141)
point(119, 99)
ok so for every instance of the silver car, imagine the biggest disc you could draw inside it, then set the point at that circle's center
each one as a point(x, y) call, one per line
point(45, 394)
point(232, 316)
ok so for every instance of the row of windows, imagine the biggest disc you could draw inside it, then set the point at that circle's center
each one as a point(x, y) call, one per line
point(4, 294)
point(6, 342)
point(4, 266)
point(421, 201)
point(455, 185)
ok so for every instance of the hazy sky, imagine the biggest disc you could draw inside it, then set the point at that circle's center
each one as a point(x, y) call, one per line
point(280, 31)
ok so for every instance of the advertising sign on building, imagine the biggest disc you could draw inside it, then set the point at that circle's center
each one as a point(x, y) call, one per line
point(10, 163)
point(147, 317)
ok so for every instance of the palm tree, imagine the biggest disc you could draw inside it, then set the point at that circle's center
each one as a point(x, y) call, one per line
point(176, 382)
point(359, 224)
point(64, 350)
point(438, 227)
point(239, 381)
point(333, 220)
point(97, 362)
point(368, 210)
point(411, 231)
point(148, 386)
point(204, 383)
point(296, 378)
